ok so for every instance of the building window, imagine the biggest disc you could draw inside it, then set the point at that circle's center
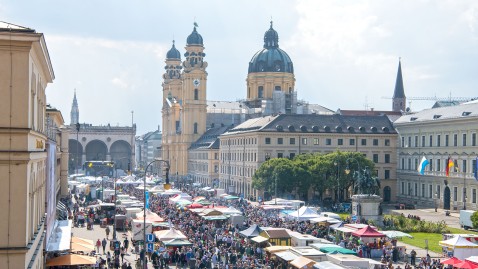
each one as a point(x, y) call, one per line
point(178, 126)
point(216, 155)
point(375, 158)
point(438, 192)
point(387, 142)
point(316, 141)
point(464, 140)
point(416, 141)
point(403, 142)
point(446, 140)
point(280, 140)
point(423, 190)
point(352, 142)
point(423, 141)
point(280, 155)
point(430, 191)
point(328, 141)
point(409, 164)
point(292, 141)
point(340, 141)
point(473, 139)
point(409, 189)
point(473, 196)
point(416, 189)
point(196, 94)
point(438, 165)
point(387, 174)
point(464, 166)
point(431, 141)
point(387, 158)
point(455, 140)
point(277, 88)
point(431, 164)
point(409, 141)
point(292, 155)
point(195, 128)
point(438, 140)
point(473, 164)
point(268, 140)
point(455, 194)
point(403, 188)
point(403, 163)
point(260, 92)
point(304, 141)
point(375, 142)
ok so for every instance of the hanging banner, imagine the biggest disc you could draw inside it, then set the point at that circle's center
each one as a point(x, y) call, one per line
point(147, 199)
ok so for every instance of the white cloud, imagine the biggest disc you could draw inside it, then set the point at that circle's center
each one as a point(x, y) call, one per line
point(120, 83)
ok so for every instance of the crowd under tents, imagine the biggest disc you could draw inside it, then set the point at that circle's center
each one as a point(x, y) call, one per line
point(168, 235)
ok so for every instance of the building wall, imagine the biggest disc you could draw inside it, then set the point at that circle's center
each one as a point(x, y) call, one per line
point(241, 154)
point(25, 71)
point(429, 189)
point(203, 165)
point(269, 80)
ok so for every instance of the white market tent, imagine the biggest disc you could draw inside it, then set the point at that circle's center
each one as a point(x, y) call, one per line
point(324, 220)
point(180, 196)
point(167, 235)
point(461, 247)
point(230, 211)
point(170, 192)
point(304, 213)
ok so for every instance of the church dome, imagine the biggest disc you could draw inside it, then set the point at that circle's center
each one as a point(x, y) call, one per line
point(173, 53)
point(271, 58)
point(194, 38)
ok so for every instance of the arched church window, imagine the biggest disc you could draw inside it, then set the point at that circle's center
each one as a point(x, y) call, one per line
point(195, 127)
point(196, 94)
point(277, 88)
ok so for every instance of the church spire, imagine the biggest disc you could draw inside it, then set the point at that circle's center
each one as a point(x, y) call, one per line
point(75, 112)
point(399, 99)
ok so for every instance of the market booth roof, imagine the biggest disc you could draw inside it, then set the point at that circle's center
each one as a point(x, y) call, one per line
point(458, 242)
point(302, 262)
point(451, 261)
point(367, 232)
point(177, 243)
point(252, 231)
point(71, 259)
point(466, 265)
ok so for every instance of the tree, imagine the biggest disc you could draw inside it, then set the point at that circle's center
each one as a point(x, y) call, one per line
point(474, 219)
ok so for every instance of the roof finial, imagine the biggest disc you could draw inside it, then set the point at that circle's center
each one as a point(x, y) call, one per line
point(271, 22)
point(195, 23)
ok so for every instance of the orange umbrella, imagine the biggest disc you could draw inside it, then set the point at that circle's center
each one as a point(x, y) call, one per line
point(451, 261)
point(81, 247)
point(71, 259)
point(466, 265)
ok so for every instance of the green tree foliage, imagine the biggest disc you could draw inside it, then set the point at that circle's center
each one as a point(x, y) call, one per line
point(306, 172)
point(474, 219)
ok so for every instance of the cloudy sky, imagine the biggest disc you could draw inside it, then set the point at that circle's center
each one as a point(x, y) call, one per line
point(345, 53)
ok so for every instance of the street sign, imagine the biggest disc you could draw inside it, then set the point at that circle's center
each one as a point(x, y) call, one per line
point(354, 218)
point(150, 247)
point(150, 238)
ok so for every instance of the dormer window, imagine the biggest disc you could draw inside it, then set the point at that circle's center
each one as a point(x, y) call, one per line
point(465, 113)
point(436, 117)
point(413, 118)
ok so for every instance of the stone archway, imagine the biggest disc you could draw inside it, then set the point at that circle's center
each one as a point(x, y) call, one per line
point(120, 152)
point(96, 150)
point(75, 150)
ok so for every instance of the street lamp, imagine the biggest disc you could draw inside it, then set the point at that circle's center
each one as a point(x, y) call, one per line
point(464, 189)
point(275, 183)
point(167, 186)
point(338, 182)
point(436, 197)
point(77, 142)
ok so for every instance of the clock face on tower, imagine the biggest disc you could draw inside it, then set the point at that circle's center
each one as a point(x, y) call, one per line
point(196, 82)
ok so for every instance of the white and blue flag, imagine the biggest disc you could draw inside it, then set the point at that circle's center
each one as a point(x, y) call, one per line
point(422, 165)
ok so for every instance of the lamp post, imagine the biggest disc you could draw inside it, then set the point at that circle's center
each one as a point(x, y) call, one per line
point(464, 189)
point(144, 198)
point(114, 216)
point(436, 197)
point(337, 178)
point(275, 185)
point(77, 142)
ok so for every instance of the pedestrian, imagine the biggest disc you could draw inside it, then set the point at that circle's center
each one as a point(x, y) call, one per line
point(129, 266)
point(98, 245)
point(123, 252)
point(413, 255)
point(107, 231)
point(103, 243)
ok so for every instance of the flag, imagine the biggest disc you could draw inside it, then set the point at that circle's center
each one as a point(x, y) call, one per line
point(449, 165)
point(423, 164)
point(475, 172)
point(147, 199)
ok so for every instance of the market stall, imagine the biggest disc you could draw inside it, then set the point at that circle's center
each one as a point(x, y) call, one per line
point(459, 247)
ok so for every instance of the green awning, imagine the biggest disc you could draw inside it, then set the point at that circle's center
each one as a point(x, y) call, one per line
point(337, 250)
point(231, 197)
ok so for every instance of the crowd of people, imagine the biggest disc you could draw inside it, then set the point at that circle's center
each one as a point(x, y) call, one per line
point(219, 244)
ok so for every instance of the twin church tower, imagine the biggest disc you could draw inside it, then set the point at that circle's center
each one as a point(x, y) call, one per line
point(270, 90)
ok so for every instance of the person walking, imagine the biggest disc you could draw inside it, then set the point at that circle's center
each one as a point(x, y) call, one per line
point(107, 231)
point(98, 245)
point(103, 243)
point(413, 255)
